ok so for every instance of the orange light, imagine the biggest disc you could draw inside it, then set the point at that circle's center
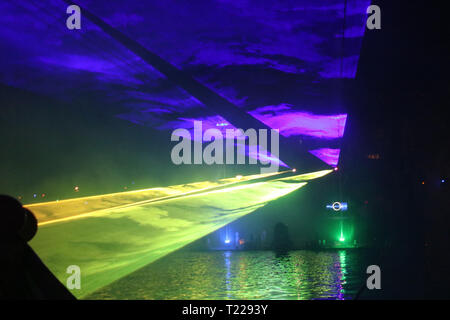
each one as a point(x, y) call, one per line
point(423, 182)
point(76, 189)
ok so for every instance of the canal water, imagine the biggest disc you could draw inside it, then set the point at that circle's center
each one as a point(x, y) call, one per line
point(295, 275)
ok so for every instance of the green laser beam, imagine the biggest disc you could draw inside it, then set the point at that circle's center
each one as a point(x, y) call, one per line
point(110, 243)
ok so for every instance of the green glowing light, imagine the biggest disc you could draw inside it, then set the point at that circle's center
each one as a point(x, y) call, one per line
point(342, 238)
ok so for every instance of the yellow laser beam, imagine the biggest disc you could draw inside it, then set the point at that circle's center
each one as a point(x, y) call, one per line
point(110, 243)
point(70, 209)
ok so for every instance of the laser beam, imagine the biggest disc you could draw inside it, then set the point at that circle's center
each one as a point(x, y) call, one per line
point(110, 243)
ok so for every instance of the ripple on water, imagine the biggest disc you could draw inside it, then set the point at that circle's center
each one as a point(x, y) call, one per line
point(295, 275)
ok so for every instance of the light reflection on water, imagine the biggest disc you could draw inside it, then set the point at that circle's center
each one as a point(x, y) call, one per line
point(242, 275)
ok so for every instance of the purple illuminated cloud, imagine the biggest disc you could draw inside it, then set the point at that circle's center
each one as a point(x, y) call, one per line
point(292, 123)
point(221, 124)
point(246, 52)
point(327, 155)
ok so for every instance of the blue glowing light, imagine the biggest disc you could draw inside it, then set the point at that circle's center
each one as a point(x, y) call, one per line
point(338, 206)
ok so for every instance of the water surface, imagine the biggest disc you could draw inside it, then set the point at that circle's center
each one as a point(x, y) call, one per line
point(295, 275)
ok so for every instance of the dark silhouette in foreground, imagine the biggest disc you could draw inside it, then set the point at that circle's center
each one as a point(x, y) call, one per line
point(22, 273)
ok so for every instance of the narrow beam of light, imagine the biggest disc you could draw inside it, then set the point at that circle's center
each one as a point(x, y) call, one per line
point(327, 155)
point(342, 238)
point(70, 209)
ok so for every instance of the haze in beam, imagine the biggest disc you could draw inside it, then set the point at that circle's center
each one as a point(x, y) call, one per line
point(113, 235)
